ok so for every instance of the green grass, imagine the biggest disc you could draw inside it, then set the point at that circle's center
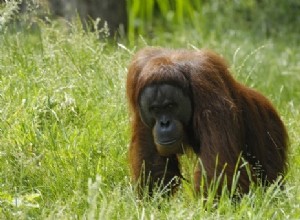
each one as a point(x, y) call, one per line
point(64, 126)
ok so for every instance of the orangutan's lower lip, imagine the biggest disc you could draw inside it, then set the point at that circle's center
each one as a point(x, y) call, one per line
point(169, 142)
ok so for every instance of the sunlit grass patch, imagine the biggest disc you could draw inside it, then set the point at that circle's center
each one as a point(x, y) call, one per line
point(64, 126)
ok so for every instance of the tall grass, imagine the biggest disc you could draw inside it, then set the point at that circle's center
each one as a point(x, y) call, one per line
point(262, 18)
point(7, 11)
point(64, 125)
point(143, 16)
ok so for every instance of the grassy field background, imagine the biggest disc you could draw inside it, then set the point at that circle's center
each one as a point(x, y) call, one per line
point(64, 125)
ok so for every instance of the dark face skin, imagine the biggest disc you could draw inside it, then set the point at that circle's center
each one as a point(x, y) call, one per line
point(167, 110)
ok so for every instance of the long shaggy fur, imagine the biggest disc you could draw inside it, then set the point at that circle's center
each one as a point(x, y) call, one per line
point(229, 120)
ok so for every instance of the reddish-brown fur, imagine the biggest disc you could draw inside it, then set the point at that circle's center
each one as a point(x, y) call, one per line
point(229, 120)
